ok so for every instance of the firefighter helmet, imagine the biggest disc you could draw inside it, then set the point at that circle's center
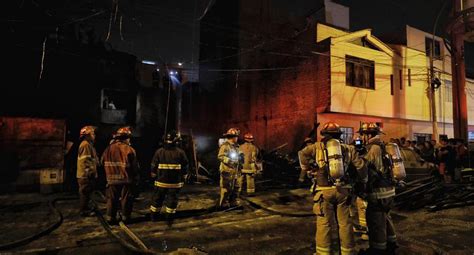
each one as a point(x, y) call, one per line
point(87, 130)
point(232, 132)
point(331, 129)
point(369, 128)
point(171, 137)
point(248, 137)
point(123, 132)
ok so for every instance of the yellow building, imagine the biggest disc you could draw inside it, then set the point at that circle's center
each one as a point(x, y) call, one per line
point(374, 81)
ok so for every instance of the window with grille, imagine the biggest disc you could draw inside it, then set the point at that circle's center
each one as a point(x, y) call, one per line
point(360, 72)
point(422, 137)
point(347, 134)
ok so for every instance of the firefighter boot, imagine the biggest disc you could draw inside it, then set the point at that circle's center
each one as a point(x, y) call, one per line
point(392, 247)
point(169, 219)
point(154, 216)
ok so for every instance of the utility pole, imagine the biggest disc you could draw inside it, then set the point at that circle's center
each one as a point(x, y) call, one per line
point(461, 24)
point(431, 85)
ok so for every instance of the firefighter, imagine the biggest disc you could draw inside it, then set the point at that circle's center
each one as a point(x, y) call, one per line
point(332, 194)
point(249, 168)
point(230, 163)
point(360, 203)
point(87, 163)
point(121, 171)
point(168, 167)
point(380, 191)
point(307, 142)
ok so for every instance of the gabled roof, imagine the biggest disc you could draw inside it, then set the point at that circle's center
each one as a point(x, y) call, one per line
point(367, 34)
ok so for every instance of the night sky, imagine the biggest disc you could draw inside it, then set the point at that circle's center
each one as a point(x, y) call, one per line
point(168, 30)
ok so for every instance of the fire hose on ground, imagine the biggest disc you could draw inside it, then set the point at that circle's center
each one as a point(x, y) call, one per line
point(45, 231)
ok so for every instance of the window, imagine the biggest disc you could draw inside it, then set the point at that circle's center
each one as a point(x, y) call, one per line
point(437, 48)
point(400, 78)
point(409, 77)
point(448, 90)
point(470, 136)
point(391, 84)
point(359, 73)
point(114, 99)
point(347, 134)
point(421, 137)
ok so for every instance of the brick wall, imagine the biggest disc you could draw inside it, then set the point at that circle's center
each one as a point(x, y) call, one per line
point(276, 106)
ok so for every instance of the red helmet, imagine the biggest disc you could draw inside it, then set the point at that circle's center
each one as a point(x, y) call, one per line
point(87, 130)
point(232, 132)
point(123, 132)
point(248, 137)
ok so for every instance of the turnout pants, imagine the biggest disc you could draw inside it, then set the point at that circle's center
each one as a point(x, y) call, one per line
point(230, 187)
point(159, 196)
point(86, 187)
point(119, 195)
point(247, 179)
point(359, 212)
point(381, 229)
point(333, 205)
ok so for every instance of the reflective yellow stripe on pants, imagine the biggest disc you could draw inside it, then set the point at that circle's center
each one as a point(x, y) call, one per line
point(323, 250)
point(154, 209)
point(170, 210)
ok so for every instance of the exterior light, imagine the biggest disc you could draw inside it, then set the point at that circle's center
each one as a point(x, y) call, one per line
point(148, 62)
point(180, 64)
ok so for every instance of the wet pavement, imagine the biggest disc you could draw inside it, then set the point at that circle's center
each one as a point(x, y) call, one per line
point(277, 221)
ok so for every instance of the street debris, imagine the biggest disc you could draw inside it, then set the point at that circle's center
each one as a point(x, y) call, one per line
point(434, 195)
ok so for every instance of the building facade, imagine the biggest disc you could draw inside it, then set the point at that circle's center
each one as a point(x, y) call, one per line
point(278, 79)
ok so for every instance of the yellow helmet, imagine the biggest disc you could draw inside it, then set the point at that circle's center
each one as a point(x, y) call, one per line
point(369, 128)
point(331, 128)
point(232, 132)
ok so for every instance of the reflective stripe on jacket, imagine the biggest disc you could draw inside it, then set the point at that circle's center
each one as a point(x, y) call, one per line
point(229, 157)
point(169, 164)
point(120, 163)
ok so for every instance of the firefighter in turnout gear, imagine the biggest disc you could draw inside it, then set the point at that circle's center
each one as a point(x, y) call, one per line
point(121, 171)
point(359, 205)
point(333, 190)
point(303, 174)
point(380, 189)
point(168, 167)
point(87, 163)
point(249, 168)
point(231, 162)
